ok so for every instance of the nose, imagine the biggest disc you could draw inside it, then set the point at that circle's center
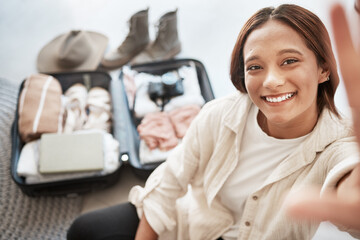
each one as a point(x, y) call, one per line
point(273, 80)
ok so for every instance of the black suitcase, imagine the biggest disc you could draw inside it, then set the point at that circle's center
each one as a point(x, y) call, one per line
point(131, 122)
point(79, 185)
point(124, 126)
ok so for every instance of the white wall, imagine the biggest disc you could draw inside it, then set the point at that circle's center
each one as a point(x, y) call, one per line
point(207, 28)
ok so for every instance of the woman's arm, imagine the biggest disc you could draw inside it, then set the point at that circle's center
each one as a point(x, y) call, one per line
point(342, 206)
point(347, 212)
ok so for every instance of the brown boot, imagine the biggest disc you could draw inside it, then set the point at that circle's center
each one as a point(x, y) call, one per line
point(135, 42)
point(166, 44)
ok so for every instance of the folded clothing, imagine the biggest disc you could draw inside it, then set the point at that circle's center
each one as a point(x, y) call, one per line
point(142, 103)
point(87, 110)
point(157, 131)
point(75, 115)
point(98, 106)
point(148, 155)
point(182, 117)
point(28, 165)
point(160, 132)
point(40, 108)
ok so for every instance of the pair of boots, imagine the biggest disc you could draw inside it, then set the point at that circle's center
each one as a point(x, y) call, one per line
point(137, 47)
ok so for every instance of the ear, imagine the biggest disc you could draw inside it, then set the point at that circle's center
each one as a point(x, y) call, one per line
point(324, 74)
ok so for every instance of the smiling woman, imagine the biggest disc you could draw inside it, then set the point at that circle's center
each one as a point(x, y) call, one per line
point(282, 78)
point(313, 34)
point(243, 153)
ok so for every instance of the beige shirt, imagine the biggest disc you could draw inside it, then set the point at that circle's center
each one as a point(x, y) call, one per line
point(260, 154)
point(207, 157)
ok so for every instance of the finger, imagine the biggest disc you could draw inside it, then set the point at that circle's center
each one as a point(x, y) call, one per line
point(354, 178)
point(301, 205)
point(348, 59)
point(341, 30)
point(309, 206)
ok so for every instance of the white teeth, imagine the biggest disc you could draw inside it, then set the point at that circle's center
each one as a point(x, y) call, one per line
point(279, 99)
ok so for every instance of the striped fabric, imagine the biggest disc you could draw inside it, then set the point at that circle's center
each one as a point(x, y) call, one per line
point(39, 107)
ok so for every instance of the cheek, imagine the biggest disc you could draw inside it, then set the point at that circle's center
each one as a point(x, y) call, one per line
point(251, 85)
point(308, 82)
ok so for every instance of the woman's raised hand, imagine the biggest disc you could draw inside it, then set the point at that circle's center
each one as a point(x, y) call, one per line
point(341, 207)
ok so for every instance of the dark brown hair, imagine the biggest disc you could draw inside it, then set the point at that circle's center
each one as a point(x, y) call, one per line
point(316, 38)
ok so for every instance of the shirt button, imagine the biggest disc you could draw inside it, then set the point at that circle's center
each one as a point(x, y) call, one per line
point(255, 198)
point(247, 223)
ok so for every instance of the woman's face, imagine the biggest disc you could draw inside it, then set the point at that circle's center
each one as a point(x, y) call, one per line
point(282, 77)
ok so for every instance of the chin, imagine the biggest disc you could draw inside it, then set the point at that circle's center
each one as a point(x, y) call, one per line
point(278, 118)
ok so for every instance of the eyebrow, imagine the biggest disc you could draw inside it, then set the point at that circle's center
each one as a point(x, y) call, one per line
point(254, 57)
point(287, 50)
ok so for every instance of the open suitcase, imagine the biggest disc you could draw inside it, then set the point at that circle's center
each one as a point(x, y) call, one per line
point(79, 185)
point(123, 128)
point(131, 122)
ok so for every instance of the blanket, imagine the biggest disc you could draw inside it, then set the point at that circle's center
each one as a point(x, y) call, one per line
point(23, 217)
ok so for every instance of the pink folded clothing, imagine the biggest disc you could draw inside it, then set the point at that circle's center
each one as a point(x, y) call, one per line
point(162, 130)
point(182, 117)
point(157, 131)
point(40, 108)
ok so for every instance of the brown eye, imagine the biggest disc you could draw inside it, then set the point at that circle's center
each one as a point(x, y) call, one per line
point(289, 61)
point(253, 67)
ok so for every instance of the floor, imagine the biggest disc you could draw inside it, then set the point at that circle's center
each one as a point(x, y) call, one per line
point(207, 29)
point(113, 195)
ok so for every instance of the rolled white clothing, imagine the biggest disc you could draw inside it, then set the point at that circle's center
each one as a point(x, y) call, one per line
point(75, 101)
point(143, 104)
point(28, 164)
point(151, 156)
point(98, 105)
point(29, 160)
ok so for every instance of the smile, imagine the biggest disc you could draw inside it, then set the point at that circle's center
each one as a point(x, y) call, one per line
point(279, 98)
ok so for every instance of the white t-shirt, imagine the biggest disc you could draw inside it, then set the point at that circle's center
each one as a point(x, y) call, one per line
point(260, 155)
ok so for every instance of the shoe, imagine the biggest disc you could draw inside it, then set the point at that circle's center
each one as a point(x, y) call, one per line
point(166, 44)
point(135, 42)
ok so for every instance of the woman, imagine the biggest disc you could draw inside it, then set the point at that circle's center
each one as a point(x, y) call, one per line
point(243, 153)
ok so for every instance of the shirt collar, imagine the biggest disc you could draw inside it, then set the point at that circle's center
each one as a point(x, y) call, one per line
point(235, 116)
